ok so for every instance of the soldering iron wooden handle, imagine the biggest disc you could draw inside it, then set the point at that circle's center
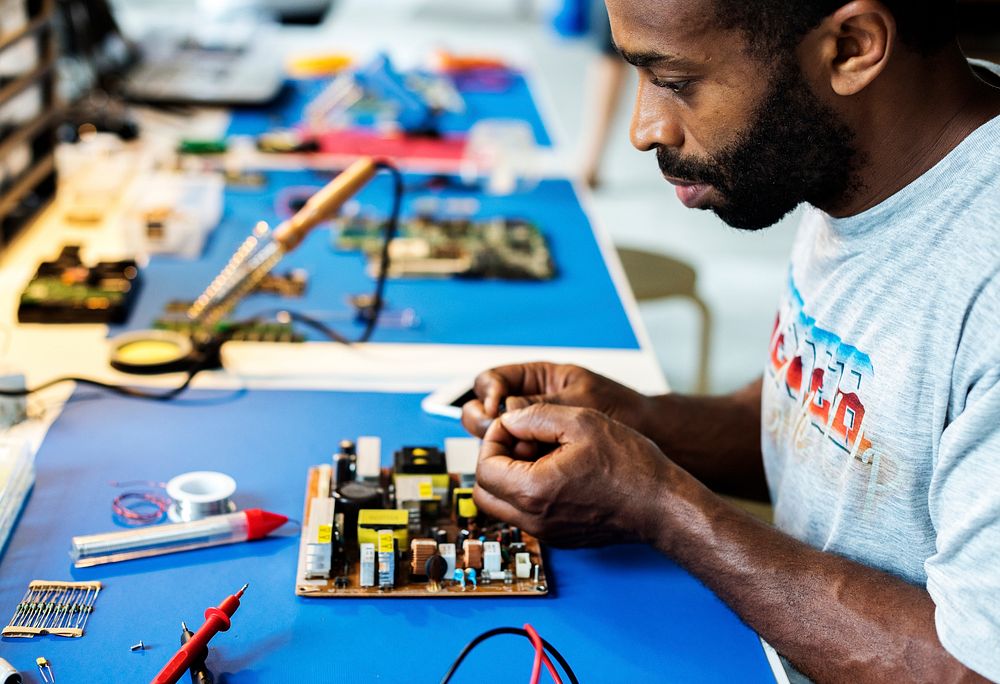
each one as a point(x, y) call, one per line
point(325, 203)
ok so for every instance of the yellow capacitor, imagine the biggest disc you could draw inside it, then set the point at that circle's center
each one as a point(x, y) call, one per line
point(467, 508)
point(462, 503)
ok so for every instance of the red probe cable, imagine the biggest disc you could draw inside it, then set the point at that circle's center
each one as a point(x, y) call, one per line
point(540, 657)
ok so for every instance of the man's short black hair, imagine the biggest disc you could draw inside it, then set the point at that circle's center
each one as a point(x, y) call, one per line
point(923, 25)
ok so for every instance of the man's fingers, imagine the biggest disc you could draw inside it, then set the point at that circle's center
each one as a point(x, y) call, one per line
point(474, 418)
point(495, 385)
point(500, 470)
point(548, 423)
point(498, 508)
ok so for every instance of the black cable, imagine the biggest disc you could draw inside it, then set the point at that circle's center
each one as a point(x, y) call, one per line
point(508, 630)
point(209, 351)
point(391, 228)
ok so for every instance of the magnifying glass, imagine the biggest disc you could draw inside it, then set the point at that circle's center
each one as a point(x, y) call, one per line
point(151, 352)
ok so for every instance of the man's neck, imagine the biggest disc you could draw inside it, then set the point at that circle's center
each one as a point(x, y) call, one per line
point(934, 104)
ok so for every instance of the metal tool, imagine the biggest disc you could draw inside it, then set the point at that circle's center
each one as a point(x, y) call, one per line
point(260, 252)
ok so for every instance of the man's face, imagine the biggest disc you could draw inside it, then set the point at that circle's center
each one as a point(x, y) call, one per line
point(748, 140)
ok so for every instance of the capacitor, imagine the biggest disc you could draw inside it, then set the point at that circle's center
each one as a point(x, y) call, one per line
point(435, 568)
point(515, 535)
point(351, 498)
point(439, 535)
point(344, 463)
point(463, 537)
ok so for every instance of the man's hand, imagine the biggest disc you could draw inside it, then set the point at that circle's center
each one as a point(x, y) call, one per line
point(593, 486)
point(521, 385)
point(716, 439)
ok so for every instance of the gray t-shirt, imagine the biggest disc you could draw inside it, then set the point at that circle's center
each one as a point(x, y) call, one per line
point(881, 401)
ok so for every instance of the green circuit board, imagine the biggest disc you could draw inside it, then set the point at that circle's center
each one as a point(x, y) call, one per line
point(431, 246)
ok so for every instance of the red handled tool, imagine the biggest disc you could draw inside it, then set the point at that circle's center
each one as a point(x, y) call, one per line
point(216, 620)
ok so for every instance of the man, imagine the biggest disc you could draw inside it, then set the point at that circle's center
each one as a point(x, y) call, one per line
point(876, 426)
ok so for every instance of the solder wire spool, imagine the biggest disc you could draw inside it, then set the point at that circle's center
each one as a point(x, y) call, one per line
point(199, 494)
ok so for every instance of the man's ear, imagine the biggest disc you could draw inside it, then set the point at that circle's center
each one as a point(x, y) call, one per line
point(852, 46)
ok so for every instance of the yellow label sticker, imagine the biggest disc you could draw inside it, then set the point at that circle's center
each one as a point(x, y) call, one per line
point(385, 544)
point(325, 534)
point(426, 490)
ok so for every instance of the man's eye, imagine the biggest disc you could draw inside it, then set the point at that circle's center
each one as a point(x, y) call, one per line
point(673, 86)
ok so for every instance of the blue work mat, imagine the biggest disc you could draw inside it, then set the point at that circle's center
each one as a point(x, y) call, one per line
point(619, 614)
point(580, 307)
point(514, 102)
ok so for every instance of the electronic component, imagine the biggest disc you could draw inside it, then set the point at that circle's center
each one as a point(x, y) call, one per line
point(491, 557)
point(369, 451)
point(45, 669)
point(463, 505)
point(386, 559)
point(473, 552)
point(351, 498)
point(462, 455)
point(174, 319)
point(366, 577)
point(421, 551)
point(67, 291)
point(522, 565)
point(371, 522)
point(436, 569)
point(289, 284)
point(59, 608)
point(319, 549)
point(447, 552)
point(420, 547)
point(433, 246)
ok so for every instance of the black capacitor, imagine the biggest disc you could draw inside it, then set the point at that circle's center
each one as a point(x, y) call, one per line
point(435, 567)
point(515, 535)
point(344, 463)
point(353, 497)
point(440, 535)
point(505, 537)
point(463, 536)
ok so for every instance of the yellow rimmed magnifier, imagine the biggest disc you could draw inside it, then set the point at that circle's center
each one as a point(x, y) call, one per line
point(151, 352)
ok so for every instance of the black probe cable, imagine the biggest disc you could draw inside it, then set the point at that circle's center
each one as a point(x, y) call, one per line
point(371, 317)
point(508, 630)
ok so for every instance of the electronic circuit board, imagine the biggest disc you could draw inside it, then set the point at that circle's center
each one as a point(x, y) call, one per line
point(373, 532)
point(433, 246)
point(290, 284)
point(68, 291)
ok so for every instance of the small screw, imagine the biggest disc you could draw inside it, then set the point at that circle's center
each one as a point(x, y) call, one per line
point(138, 647)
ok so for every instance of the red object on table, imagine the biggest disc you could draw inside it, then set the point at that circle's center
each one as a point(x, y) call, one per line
point(393, 146)
point(216, 620)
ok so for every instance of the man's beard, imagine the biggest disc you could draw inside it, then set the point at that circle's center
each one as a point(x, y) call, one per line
point(795, 149)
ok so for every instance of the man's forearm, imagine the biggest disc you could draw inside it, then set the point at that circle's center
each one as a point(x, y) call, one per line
point(835, 619)
point(716, 439)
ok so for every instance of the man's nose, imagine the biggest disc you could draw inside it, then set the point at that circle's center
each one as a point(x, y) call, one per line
point(653, 124)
